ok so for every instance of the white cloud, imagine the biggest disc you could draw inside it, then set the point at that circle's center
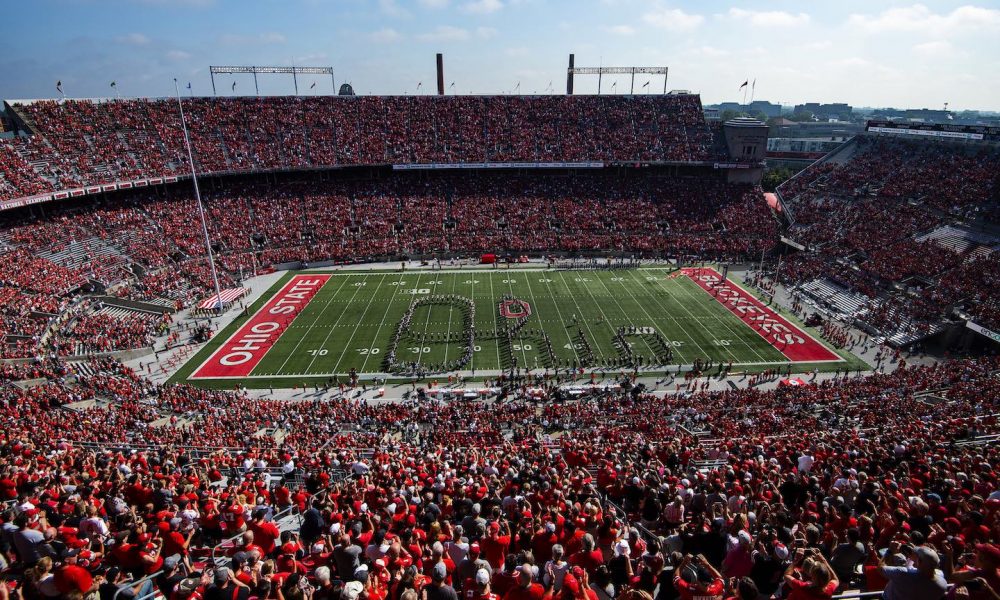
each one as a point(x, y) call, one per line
point(482, 7)
point(386, 35)
point(672, 19)
point(486, 32)
point(271, 38)
point(818, 45)
point(936, 49)
point(392, 9)
point(768, 18)
point(622, 30)
point(920, 19)
point(433, 3)
point(178, 55)
point(445, 33)
point(133, 39)
point(516, 51)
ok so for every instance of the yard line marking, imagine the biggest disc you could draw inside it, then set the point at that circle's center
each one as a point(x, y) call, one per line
point(524, 356)
point(666, 311)
point(639, 304)
point(628, 319)
point(719, 322)
point(313, 326)
point(388, 307)
point(572, 344)
point(597, 345)
point(361, 320)
point(451, 309)
point(496, 320)
point(304, 335)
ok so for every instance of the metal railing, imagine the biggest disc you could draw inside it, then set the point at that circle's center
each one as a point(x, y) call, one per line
point(138, 583)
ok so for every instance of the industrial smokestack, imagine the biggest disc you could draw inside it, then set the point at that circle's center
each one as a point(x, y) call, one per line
point(440, 71)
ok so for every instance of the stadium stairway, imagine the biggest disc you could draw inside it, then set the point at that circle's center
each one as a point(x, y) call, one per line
point(830, 296)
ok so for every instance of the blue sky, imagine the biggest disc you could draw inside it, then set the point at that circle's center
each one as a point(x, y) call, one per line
point(864, 53)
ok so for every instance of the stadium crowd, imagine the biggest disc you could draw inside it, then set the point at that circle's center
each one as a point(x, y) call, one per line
point(145, 246)
point(623, 494)
point(82, 142)
point(860, 214)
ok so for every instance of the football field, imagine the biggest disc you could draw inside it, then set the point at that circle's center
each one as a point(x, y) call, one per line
point(315, 326)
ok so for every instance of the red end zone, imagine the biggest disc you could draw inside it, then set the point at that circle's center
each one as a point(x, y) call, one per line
point(243, 351)
point(795, 344)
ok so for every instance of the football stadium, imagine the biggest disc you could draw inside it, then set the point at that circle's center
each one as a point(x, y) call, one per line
point(505, 346)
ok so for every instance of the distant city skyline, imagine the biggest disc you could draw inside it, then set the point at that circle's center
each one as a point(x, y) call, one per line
point(866, 54)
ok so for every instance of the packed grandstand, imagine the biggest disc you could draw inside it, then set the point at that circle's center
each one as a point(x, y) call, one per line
point(723, 484)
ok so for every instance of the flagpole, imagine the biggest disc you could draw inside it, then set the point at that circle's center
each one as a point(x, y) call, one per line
point(201, 208)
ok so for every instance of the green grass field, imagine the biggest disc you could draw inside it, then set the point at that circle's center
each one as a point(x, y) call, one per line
point(595, 319)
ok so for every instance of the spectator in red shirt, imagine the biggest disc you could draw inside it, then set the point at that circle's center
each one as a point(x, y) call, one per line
point(495, 544)
point(695, 577)
point(526, 588)
point(589, 557)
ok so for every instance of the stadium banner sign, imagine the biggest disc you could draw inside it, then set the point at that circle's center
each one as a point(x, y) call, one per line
point(983, 331)
point(60, 195)
point(141, 183)
point(169, 180)
point(792, 243)
point(77, 192)
point(124, 185)
point(954, 135)
point(28, 201)
point(731, 165)
point(93, 189)
point(498, 165)
point(244, 350)
point(110, 187)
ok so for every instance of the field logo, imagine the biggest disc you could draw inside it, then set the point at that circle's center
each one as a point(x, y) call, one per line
point(515, 309)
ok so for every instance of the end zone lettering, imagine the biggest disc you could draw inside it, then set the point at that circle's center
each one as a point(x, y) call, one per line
point(243, 351)
point(791, 341)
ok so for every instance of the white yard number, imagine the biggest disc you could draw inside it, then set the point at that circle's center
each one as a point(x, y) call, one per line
point(519, 347)
point(721, 342)
point(322, 352)
point(361, 284)
point(476, 348)
point(397, 283)
point(471, 281)
point(510, 281)
point(439, 282)
point(650, 278)
point(571, 346)
point(416, 291)
point(581, 279)
point(617, 279)
point(544, 281)
point(419, 350)
point(676, 344)
point(364, 351)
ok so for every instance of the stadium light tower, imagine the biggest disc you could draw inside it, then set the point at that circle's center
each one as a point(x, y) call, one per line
point(201, 207)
